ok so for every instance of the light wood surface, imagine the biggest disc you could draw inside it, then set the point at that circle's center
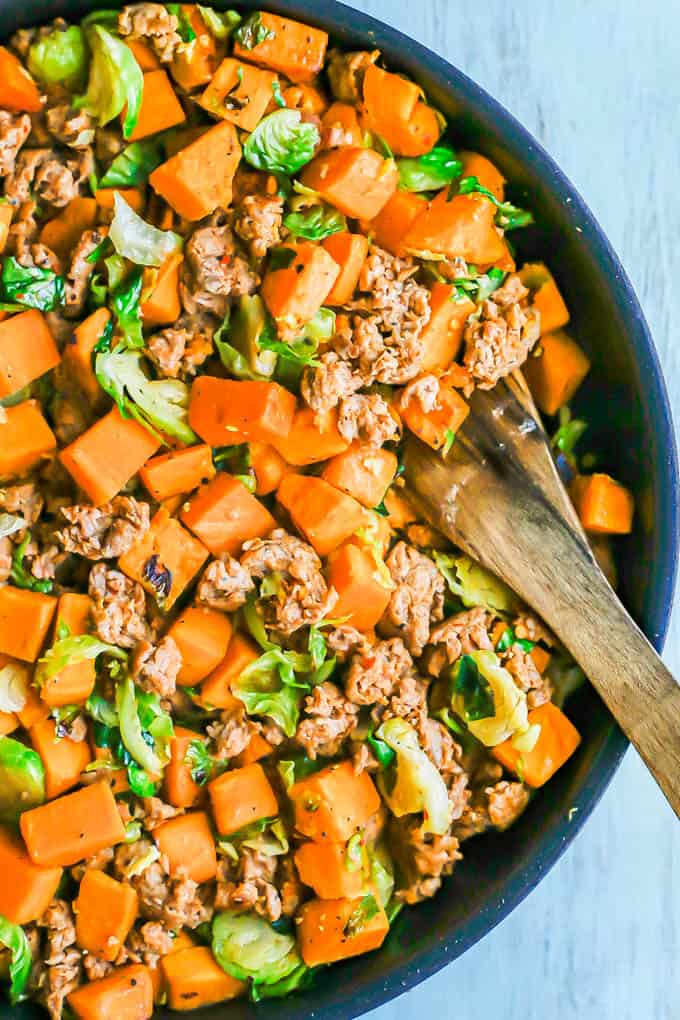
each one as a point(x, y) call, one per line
point(598, 83)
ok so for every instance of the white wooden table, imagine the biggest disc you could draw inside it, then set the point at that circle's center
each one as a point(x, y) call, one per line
point(598, 83)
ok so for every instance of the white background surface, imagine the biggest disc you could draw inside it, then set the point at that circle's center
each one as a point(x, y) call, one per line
point(598, 83)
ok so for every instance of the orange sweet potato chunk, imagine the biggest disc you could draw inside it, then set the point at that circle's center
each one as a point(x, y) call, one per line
point(363, 593)
point(26, 889)
point(555, 371)
point(73, 827)
point(126, 994)
point(193, 978)
point(18, 92)
point(25, 618)
point(241, 796)
point(312, 438)
point(488, 175)
point(165, 559)
point(64, 230)
point(63, 760)
point(443, 334)
point(462, 227)
point(177, 472)
point(224, 515)
point(294, 294)
point(198, 179)
point(364, 472)
point(105, 911)
point(394, 220)
point(216, 689)
point(27, 350)
point(78, 353)
point(557, 741)
point(604, 506)
point(349, 251)
point(25, 438)
point(333, 804)
point(324, 867)
point(202, 636)
point(75, 682)
point(240, 93)
point(357, 181)
point(188, 844)
point(225, 412)
point(326, 933)
point(291, 47)
point(323, 514)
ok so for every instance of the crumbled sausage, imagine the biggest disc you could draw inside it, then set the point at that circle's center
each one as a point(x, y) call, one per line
point(225, 584)
point(418, 598)
point(506, 802)
point(51, 177)
point(249, 885)
point(375, 672)
point(80, 271)
point(344, 640)
point(523, 670)
point(70, 126)
point(346, 73)
point(324, 385)
point(500, 340)
point(214, 271)
point(155, 667)
point(179, 353)
point(107, 531)
point(14, 130)
point(366, 417)
point(329, 719)
point(258, 222)
point(461, 634)
point(118, 607)
point(303, 597)
point(423, 858)
point(155, 24)
point(25, 500)
point(232, 733)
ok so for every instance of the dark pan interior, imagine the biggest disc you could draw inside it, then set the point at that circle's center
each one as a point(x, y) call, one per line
point(626, 402)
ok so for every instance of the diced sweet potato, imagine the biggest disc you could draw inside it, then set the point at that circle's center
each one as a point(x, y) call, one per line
point(105, 911)
point(257, 749)
point(202, 636)
point(357, 181)
point(25, 618)
point(27, 350)
point(187, 843)
point(604, 506)
point(216, 689)
point(224, 515)
point(269, 467)
point(420, 134)
point(340, 126)
point(363, 591)
point(323, 514)
point(545, 296)
point(165, 559)
point(160, 108)
point(26, 890)
point(194, 65)
point(225, 412)
point(364, 472)
point(557, 741)
point(436, 427)
point(177, 472)
point(390, 226)
point(64, 230)
point(162, 307)
point(6, 214)
point(73, 827)
point(443, 334)
point(389, 103)
point(143, 54)
point(327, 932)
point(18, 92)
point(333, 804)
point(25, 437)
point(198, 179)
point(126, 994)
point(349, 251)
point(239, 93)
point(488, 175)
point(63, 760)
point(180, 790)
point(291, 47)
point(75, 682)
point(240, 797)
point(556, 371)
point(325, 868)
point(462, 227)
point(295, 294)
point(193, 979)
point(103, 459)
point(79, 349)
point(312, 438)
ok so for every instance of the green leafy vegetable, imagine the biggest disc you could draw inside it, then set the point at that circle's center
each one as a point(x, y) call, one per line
point(430, 172)
point(115, 81)
point(315, 223)
point(293, 769)
point(23, 578)
point(161, 406)
point(101, 710)
point(60, 57)
point(264, 693)
point(30, 286)
point(10, 524)
point(508, 216)
point(381, 870)
point(485, 696)
point(133, 165)
point(70, 650)
point(251, 32)
point(417, 784)
point(474, 585)
point(449, 440)
point(204, 765)
point(301, 352)
point(184, 27)
point(299, 978)
point(567, 435)
point(477, 286)
point(145, 729)
point(354, 852)
point(276, 89)
point(281, 143)
point(125, 295)
point(220, 23)
point(246, 946)
point(137, 240)
point(22, 779)
point(364, 912)
point(141, 783)
point(13, 937)
point(382, 752)
point(474, 690)
point(14, 685)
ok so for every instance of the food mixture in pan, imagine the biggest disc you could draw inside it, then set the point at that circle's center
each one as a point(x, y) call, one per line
point(251, 705)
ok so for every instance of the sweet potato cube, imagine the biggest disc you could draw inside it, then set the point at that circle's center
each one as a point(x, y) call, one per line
point(202, 636)
point(160, 108)
point(193, 978)
point(241, 796)
point(364, 593)
point(73, 827)
point(443, 335)
point(187, 842)
point(194, 65)
point(224, 515)
point(420, 134)
point(557, 741)
point(6, 214)
point(268, 466)
point(324, 867)
point(162, 307)
point(165, 559)
point(488, 175)
point(392, 223)
point(356, 181)
point(26, 889)
point(25, 618)
point(64, 230)
point(225, 412)
point(312, 438)
point(604, 506)
point(9, 722)
point(180, 790)
point(63, 760)
point(326, 932)
point(364, 472)
point(27, 350)
point(239, 92)
point(436, 427)
point(75, 682)
point(25, 437)
point(257, 749)
point(340, 126)
point(291, 47)
point(79, 349)
point(126, 994)
point(333, 804)
point(545, 296)
point(323, 514)
point(216, 689)
point(349, 251)
point(177, 472)
point(198, 179)
point(462, 227)
point(105, 912)
point(143, 54)
point(34, 709)
point(555, 371)
point(295, 294)
point(103, 459)
point(18, 92)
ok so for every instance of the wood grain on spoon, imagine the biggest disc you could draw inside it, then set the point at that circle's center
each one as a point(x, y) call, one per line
point(498, 497)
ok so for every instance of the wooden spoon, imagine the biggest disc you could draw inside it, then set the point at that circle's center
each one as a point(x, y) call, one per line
point(498, 497)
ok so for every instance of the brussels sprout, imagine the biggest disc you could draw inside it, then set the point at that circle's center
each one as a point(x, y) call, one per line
point(70, 650)
point(248, 324)
point(60, 57)
point(281, 143)
point(137, 240)
point(382, 872)
point(417, 785)
point(14, 684)
point(22, 779)
point(116, 81)
point(140, 716)
point(493, 708)
point(13, 937)
point(246, 946)
point(474, 585)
